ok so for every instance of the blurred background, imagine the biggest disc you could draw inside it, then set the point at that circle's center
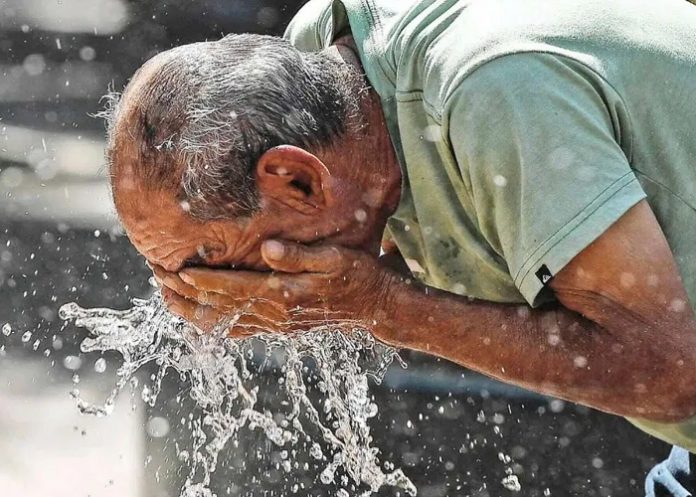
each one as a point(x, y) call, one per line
point(454, 432)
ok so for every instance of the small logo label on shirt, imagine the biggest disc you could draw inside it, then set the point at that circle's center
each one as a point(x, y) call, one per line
point(544, 275)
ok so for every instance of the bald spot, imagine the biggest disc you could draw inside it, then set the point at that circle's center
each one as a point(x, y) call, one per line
point(151, 114)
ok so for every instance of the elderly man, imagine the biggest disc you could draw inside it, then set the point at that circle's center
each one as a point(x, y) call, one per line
point(533, 162)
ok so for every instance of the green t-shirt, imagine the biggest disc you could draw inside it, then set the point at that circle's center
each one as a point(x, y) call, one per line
point(526, 128)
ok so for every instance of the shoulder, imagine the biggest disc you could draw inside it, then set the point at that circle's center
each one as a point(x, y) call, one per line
point(536, 82)
point(307, 29)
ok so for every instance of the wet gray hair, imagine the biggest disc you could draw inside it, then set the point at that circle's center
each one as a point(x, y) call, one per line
point(210, 111)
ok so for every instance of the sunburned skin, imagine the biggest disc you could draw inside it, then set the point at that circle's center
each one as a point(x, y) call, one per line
point(599, 347)
point(623, 349)
point(341, 195)
point(166, 235)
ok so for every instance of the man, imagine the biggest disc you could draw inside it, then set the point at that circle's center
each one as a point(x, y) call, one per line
point(534, 163)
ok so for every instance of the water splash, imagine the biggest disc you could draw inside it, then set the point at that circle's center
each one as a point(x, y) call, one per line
point(222, 384)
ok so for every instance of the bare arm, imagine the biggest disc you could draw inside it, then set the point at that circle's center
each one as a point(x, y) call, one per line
point(623, 340)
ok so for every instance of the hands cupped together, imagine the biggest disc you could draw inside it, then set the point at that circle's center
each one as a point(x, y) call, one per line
point(307, 286)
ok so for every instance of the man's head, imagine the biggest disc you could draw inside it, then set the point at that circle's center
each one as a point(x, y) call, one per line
point(216, 146)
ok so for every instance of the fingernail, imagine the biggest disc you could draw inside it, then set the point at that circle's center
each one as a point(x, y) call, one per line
point(186, 278)
point(273, 249)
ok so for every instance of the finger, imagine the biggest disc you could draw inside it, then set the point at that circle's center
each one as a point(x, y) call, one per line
point(296, 258)
point(174, 282)
point(219, 300)
point(204, 317)
point(244, 332)
point(239, 285)
point(208, 319)
point(253, 325)
point(177, 305)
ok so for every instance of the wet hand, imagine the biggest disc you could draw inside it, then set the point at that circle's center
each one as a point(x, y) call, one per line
point(209, 313)
point(308, 285)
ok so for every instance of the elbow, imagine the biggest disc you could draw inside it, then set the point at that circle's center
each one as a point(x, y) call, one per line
point(664, 378)
point(675, 409)
point(671, 399)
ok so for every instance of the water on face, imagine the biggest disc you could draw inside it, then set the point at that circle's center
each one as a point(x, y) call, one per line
point(334, 430)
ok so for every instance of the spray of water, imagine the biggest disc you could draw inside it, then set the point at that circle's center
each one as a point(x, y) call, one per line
point(223, 385)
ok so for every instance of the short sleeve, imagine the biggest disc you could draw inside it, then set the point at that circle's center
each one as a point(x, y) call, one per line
point(538, 138)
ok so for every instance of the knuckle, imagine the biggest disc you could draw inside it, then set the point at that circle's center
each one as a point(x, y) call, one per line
point(203, 297)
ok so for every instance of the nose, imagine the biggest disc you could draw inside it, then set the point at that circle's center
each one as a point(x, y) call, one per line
point(171, 266)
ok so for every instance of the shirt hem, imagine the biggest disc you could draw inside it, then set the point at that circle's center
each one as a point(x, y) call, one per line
point(682, 434)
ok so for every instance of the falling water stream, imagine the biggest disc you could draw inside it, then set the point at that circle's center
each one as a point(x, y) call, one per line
point(328, 418)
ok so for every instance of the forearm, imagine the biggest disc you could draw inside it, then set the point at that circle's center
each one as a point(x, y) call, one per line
point(553, 351)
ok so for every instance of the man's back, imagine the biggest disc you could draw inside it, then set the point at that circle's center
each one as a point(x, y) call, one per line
point(523, 125)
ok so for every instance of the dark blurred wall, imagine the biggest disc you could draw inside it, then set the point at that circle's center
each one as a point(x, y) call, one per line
point(37, 62)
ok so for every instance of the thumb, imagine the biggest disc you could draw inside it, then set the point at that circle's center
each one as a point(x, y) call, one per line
point(290, 257)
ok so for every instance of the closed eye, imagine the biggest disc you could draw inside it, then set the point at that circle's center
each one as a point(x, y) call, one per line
point(198, 261)
point(195, 261)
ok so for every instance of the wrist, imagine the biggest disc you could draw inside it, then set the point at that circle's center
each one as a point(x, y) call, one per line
point(390, 323)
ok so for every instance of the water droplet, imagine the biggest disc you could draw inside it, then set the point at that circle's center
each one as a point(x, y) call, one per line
point(26, 336)
point(580, 361)
point(100, 365)
point(627, 280)
point(500, 181)
point(316, 451)
point(6, 329)
point(71, 362)
point(361, 215)
point(87, 53)
point(157, 427)
point(220, 380)
point(512, 483)
point(34, 64)
point(556, 406)
point(677, 305)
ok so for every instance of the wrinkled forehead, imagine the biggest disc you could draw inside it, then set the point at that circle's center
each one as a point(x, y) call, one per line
point(149, 211)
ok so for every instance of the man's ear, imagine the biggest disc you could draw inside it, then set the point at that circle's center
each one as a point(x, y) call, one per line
point(294, 177)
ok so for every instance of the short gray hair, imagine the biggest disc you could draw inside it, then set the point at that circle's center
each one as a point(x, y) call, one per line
point(212, 109)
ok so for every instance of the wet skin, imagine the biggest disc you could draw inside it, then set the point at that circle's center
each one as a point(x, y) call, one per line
point(306, 256)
